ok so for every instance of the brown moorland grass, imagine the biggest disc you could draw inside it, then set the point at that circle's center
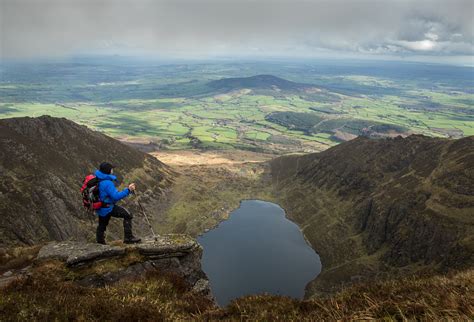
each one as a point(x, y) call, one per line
point(17, 257)
point(410, 298)
point(50, 293)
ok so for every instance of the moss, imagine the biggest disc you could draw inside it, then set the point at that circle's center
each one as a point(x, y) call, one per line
point(179, 239)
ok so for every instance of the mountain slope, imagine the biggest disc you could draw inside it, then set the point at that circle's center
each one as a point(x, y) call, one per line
point(42, 165)
point(374, 208)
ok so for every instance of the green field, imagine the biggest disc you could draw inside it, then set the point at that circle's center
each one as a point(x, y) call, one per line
point(174, 105)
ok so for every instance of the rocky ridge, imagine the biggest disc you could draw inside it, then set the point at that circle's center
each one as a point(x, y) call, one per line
point(42, 165)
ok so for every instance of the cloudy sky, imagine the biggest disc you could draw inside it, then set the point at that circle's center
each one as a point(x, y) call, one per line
point(434, 29)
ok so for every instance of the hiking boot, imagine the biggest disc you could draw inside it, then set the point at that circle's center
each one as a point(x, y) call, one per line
point(132, 240)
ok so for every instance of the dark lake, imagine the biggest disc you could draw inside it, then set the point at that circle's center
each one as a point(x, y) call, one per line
point(257, 250)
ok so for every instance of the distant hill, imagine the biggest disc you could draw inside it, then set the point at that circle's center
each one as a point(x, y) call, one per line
point(42, 165)
point(341, 129)
point(382, 208)
point(260, 82)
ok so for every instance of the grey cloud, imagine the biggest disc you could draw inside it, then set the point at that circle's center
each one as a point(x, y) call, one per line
point(36, 28)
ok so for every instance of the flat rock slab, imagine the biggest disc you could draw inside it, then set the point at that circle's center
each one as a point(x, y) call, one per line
point(78, 253)
point(166, 244)
point(75, 253)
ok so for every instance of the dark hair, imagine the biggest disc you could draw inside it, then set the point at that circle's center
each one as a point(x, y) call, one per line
point(106, 167)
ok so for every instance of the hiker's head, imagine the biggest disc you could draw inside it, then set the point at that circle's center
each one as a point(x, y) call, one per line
point(106, 168)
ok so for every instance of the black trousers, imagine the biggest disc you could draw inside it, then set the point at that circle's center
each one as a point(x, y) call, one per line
point(117, 212)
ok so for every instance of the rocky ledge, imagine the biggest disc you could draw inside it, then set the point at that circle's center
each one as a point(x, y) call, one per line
point(98, 265)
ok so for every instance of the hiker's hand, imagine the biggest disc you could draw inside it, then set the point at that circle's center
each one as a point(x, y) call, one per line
point(131, 187)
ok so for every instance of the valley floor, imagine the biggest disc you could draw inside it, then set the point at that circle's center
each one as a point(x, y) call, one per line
point(209, 185)
point(219, 158)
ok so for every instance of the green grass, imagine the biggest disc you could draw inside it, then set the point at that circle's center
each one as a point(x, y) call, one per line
point(257, 135)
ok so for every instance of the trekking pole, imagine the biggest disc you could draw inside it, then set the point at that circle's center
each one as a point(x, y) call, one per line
point(146, 217)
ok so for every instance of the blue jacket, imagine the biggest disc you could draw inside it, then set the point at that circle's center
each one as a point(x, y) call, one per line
point(108, 193)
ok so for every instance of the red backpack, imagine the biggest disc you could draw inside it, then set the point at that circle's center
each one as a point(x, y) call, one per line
point(90, 193)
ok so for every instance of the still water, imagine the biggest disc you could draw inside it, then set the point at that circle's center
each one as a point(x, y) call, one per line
point(257, 250)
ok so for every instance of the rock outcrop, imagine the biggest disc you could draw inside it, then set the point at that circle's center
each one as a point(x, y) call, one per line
point(98, 265)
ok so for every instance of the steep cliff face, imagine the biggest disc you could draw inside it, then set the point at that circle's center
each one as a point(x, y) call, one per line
point(371, 207)
point(42, 164)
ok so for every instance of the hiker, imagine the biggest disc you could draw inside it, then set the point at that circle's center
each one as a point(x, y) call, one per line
point(109, 195)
